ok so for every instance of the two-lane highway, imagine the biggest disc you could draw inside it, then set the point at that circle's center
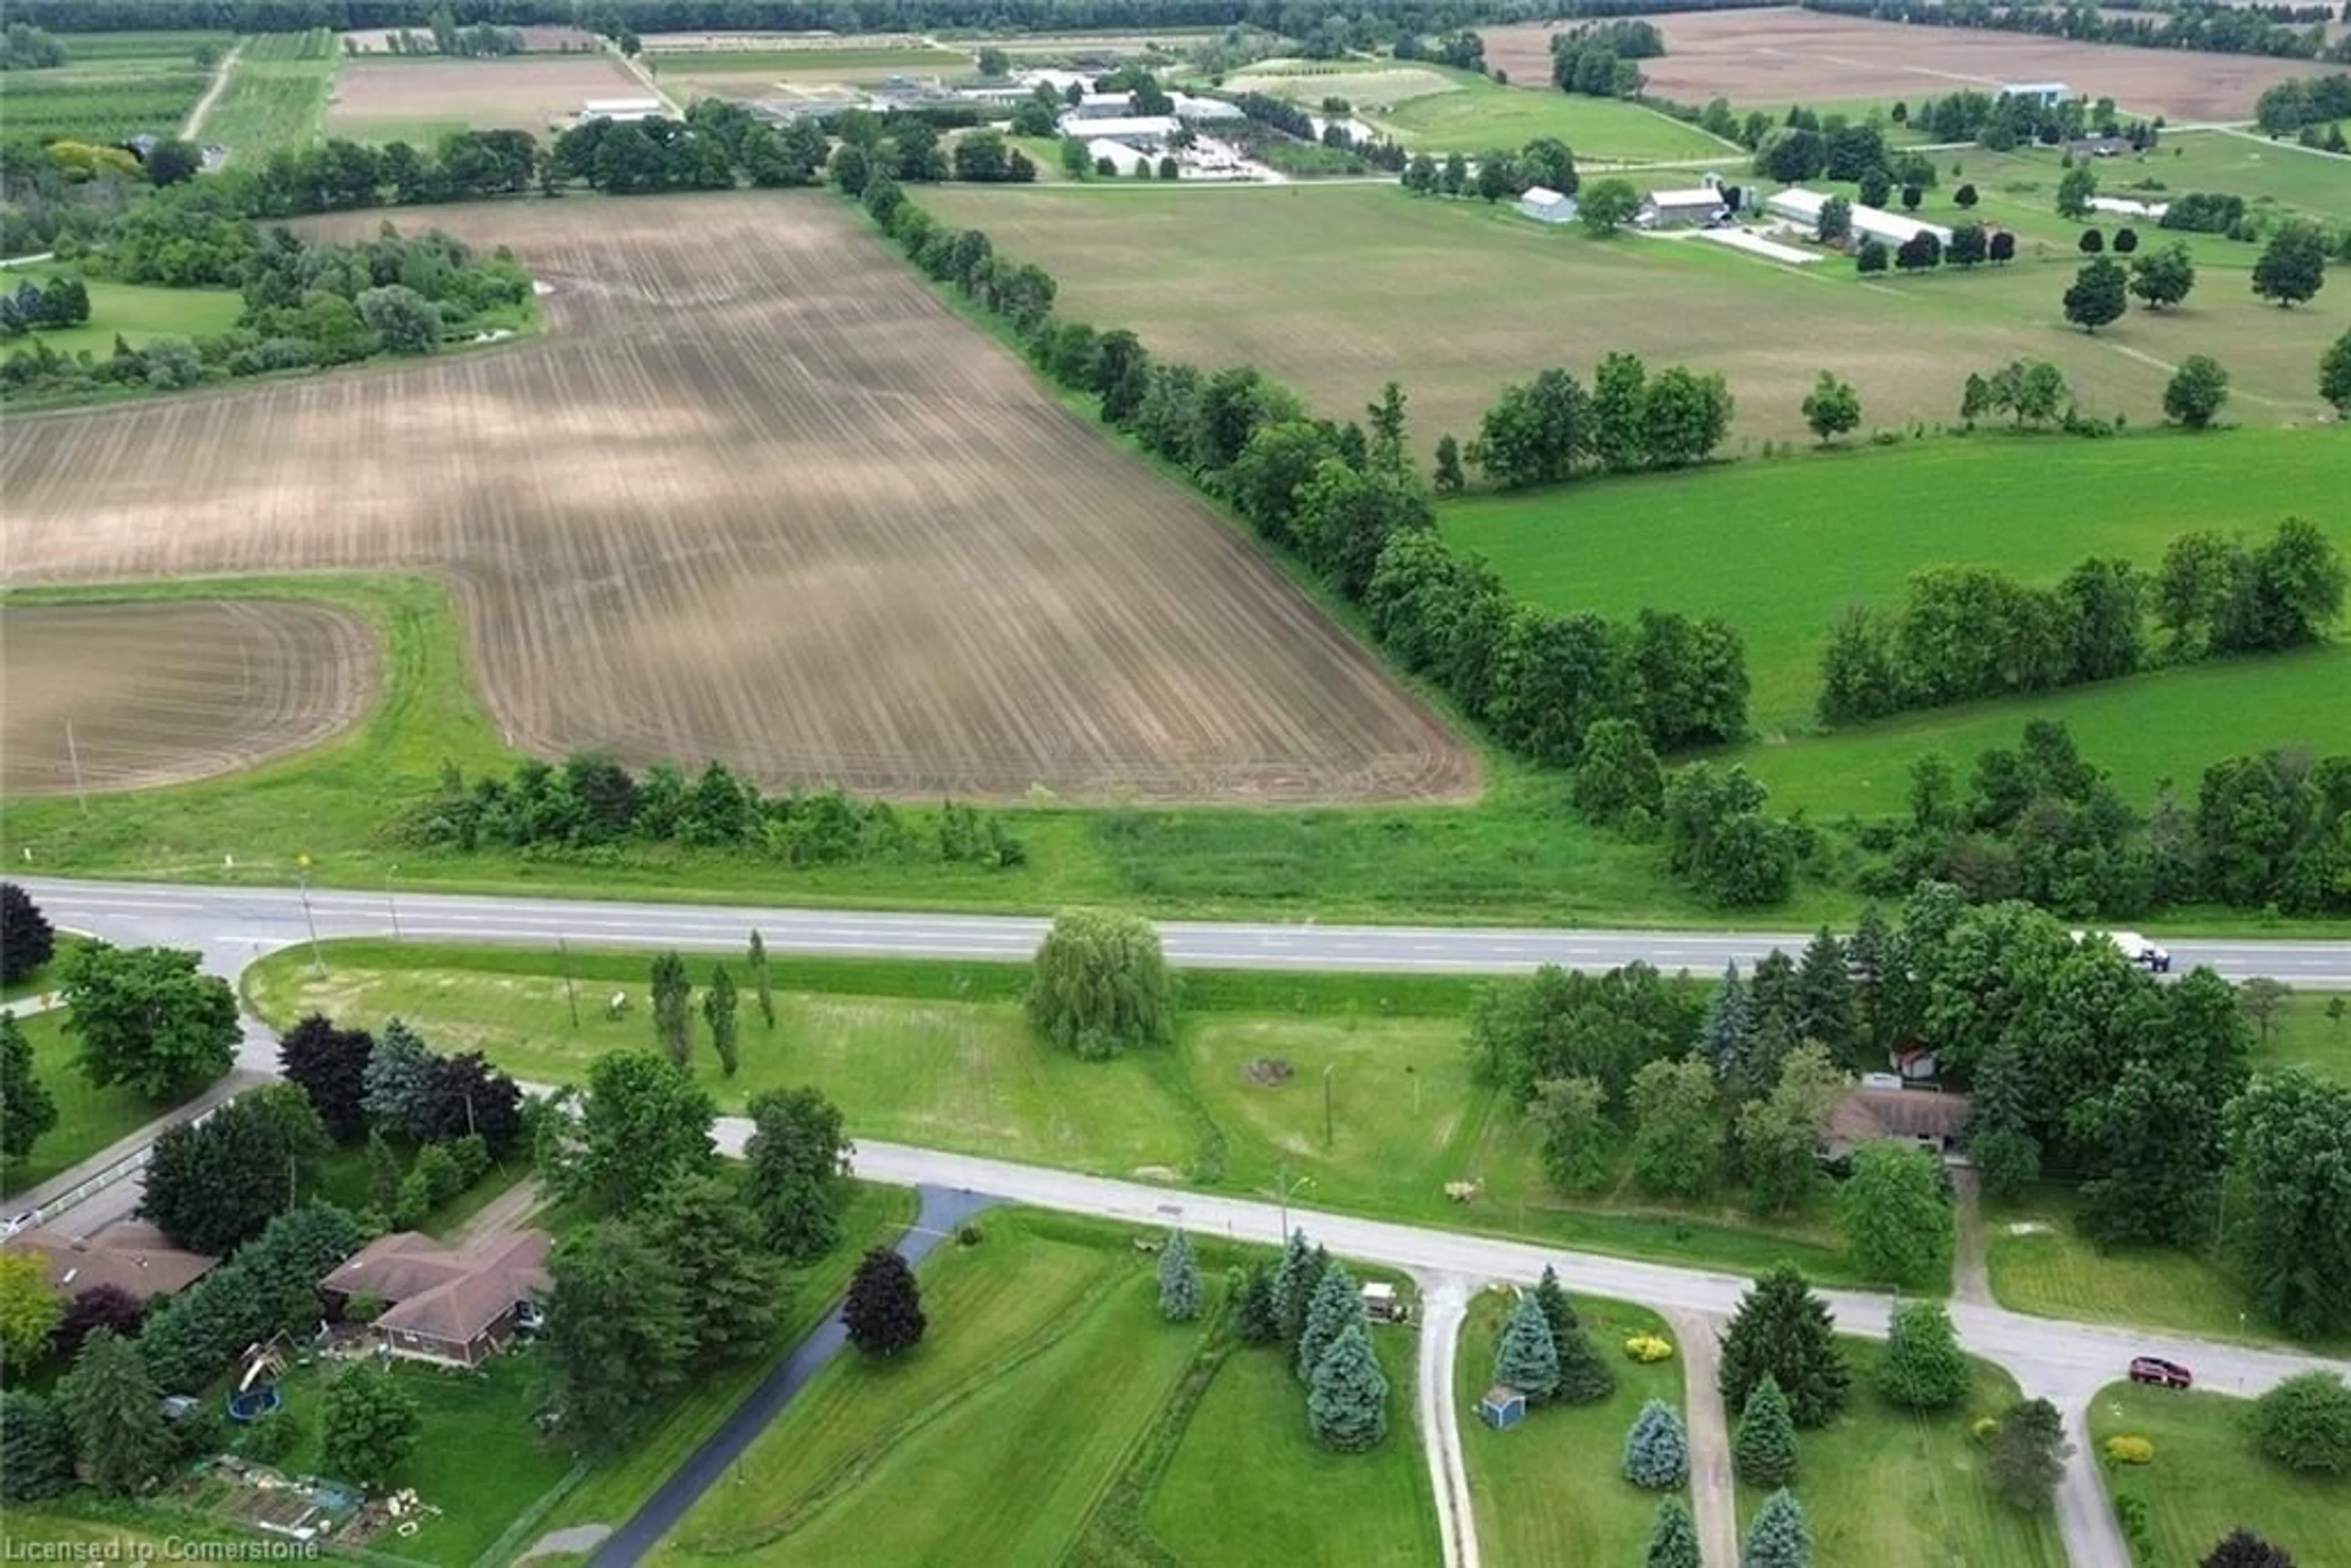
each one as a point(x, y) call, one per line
point(242, 922)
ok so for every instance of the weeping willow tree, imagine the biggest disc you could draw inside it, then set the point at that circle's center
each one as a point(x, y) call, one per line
point(1100, 985)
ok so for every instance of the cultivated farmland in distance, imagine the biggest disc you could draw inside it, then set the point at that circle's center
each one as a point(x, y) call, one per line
point(760, 497)
point(1771, 59)
point(1336, 290)
point(170, 690)
point(386, 97)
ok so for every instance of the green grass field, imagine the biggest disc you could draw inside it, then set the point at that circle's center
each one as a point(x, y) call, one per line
point(1435, 109)
point(2041, 1263)
point(277, 95)
point(138, 312)
point(966, 1074)
point(1343, 288)
point(1044, 1360)
point(1882, 1485)
point(2305, 1036)
point(2207, 1479)
point(89, 1119)
point(1551, 1488)
point(615, 1488)
point(1853, 526)
point(1248, 1473)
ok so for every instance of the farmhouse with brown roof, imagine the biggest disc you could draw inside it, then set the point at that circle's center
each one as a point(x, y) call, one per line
point(1931, 1121)
point(131, 1255)
point(458, 1306)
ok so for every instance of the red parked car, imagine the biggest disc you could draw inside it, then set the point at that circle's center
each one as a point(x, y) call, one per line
point(2155, 1370)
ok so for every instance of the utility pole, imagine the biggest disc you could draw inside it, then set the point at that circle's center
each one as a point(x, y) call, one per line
point(73, 756)
point(1326, 1103)
point(564, 947)
point(393, 897)
point(302, 882)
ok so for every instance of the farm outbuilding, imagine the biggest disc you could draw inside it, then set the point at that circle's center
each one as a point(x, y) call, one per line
point(1680, 209)
point(1146, 133)
point(2124, 207)
point(1503, 1407)
point(1546, 205)
point(2048, 94)
point(1798, 205)
point(623, 108)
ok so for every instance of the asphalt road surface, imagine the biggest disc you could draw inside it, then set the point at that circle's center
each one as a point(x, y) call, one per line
point(233, 925)
point(2064, 1362)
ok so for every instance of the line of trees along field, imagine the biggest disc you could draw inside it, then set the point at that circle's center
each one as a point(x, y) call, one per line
point(585, 809)
point(1300, 19)
point(1967, 633)
point(2037, 821)
point(2212, 27)
point(1345, 501)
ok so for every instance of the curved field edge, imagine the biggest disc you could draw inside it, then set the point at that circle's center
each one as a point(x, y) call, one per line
point(265, 819)
point(112, 697)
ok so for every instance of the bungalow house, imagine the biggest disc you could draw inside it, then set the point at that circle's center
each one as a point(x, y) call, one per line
point(1933, 1122)
point(131, 1255)
point(456, 1306)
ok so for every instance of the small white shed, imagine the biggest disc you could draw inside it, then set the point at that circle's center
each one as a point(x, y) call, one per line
point(1546, 205)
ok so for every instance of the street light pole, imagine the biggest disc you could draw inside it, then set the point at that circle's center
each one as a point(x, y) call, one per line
point(302, 882)
point(1283, 1187)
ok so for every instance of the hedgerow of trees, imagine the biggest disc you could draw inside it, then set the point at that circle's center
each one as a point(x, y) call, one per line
point(1967, 633)
point(589, 809)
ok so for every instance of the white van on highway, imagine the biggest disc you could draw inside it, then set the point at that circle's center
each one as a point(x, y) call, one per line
point(2135, 947)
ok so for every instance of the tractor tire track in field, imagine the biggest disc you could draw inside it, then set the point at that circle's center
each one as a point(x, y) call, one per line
point(758, 497)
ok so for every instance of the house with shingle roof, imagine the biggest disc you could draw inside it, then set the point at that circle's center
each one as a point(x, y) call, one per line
point(1932, 1120)
point(458, 1306)
point(131, 1255)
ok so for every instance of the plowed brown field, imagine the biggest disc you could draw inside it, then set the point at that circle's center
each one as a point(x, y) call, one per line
point(165, 692)
point(758, 497)
point(1771, 59)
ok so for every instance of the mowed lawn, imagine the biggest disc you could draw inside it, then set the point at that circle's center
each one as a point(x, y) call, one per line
point(1435, 109)
point(1341, 288)
point(1881, 1485)
point(1045, 1357)
point(475, 1459)
point(1237, 1104)
point(2042, 1262)
point(2207, 1479)
point(89, 1119)
point(1247, 1478)
point(138, 312)
point(1552, 1490)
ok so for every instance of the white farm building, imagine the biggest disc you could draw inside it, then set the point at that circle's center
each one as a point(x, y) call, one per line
point(623, 108)
point(1802, 207)
point(2047, 94)
point(1675, 209)
point(2124, 207)
point(1546, 205)
point(1146, 132)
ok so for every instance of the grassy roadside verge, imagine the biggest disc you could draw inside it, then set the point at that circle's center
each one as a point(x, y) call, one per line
point(2207, 1479)
point(1358, 1083)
